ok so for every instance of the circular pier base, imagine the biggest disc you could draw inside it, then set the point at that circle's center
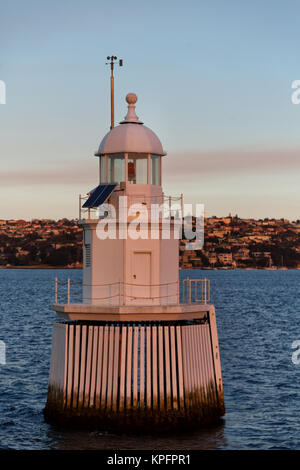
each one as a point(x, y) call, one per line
point(138, 376)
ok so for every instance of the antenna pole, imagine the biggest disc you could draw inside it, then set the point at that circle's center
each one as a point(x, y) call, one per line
point(112, 111)
point(112, 104)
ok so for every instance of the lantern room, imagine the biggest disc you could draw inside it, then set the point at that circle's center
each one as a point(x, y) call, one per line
point(130, 152)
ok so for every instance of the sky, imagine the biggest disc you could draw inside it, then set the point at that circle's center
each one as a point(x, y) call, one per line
point(213, 80)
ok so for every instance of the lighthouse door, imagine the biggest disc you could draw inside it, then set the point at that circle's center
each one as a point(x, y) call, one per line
point(141, 281)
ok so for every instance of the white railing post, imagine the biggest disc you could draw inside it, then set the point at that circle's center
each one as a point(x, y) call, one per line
point(194, 291)
point(79, 206)
point(56, 290)
point(68, 290)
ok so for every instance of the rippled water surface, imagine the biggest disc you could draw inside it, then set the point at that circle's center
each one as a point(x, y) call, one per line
point(258, 315)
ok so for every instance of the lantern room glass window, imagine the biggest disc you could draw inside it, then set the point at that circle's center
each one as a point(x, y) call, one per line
point(155, 169)
point(116, 168)
point(102, 170)
point(137, 169)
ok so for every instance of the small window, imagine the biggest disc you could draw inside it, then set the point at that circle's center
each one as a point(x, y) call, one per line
point(102, 170)
point(87, 256)
point(155, 169)
point(116, 168)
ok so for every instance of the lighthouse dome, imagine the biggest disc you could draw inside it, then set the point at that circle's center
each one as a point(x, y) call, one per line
point(131, 136)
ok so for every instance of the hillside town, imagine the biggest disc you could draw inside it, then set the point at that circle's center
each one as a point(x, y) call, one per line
point(229, 242)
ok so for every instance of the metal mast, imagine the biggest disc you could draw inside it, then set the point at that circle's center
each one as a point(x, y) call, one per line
point(112, 63)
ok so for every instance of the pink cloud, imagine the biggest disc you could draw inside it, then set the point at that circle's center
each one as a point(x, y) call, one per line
point(179, 165)
point(176, 166)
point(64, 175)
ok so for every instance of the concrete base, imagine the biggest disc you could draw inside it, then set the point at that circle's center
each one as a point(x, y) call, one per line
point(91, 312)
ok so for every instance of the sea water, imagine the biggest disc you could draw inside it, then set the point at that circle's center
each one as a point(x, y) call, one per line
point(258, 317)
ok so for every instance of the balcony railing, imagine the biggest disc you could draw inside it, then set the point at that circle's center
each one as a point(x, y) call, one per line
point(171, 203)
point(187, 291)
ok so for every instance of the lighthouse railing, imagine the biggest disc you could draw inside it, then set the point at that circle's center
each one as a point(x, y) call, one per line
point(186, 291)
point(173, 205)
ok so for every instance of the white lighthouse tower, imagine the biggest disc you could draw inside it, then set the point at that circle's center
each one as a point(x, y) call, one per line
point(140, 348)
point(137, 264)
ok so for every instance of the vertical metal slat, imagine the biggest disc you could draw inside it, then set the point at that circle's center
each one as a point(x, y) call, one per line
point(142, 368)
point(70, 364)
point(82, 366)
point(76, 366)
point(94, 366)
point(129, 368)
point(154, 368)
point(88, 367)
point(174, 368)
point(116, 369)
point(104, 369)
point(123, 367)
point(110, 367)
point(99, 368)
point(167, 368)
point(135, 366)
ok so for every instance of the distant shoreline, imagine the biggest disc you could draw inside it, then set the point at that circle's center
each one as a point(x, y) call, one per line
point(181, 269)
point(38, 267)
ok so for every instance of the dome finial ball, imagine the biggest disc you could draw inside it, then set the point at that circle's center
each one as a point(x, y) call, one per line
point(131, 98)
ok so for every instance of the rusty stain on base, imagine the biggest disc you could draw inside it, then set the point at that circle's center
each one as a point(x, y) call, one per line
point(202, 408)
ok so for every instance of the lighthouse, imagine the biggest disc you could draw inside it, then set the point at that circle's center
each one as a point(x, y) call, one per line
point(136, 348)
